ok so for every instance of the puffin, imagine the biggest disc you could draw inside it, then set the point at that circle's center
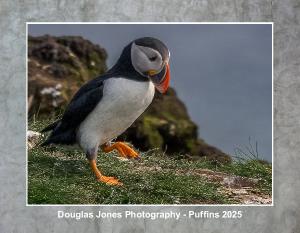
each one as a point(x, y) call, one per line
point(104, 107)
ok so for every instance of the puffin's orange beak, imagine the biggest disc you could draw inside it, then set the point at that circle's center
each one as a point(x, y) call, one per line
point(162, 86)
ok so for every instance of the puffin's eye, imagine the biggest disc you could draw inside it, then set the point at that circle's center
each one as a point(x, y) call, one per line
point(153, 58)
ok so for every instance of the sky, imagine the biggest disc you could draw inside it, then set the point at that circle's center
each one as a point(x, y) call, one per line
point(222, 72)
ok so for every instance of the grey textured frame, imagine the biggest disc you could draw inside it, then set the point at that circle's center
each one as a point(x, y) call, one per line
point(28, 24)
point(282, 218)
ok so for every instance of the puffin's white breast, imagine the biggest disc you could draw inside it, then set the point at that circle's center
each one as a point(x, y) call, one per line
point(123, 101)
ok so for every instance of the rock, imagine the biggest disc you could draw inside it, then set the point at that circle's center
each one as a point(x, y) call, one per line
point(58, 66)
point(239, 181)
point(32, 138)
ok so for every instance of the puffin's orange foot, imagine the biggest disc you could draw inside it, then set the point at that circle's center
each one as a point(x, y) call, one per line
point(106, 179)
point(110, 180)
point(124, 150)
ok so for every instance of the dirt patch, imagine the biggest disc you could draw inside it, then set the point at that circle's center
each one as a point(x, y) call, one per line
point(246, 196)
point(239, 189)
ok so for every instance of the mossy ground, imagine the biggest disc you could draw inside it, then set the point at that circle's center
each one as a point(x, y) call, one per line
point(58, 175)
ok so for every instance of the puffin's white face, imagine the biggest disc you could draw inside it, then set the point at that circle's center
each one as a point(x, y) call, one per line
point(145, 60)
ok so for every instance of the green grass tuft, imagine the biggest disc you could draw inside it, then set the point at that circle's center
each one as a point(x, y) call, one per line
point(58, 175)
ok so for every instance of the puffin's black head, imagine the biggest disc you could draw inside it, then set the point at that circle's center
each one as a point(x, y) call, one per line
point(150, 58)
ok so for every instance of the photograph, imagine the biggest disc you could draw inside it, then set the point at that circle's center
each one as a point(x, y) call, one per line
point(149, 114)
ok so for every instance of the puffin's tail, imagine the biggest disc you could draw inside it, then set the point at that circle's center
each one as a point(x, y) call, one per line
point(45, 143)
point(64, 138)
point(50, 127)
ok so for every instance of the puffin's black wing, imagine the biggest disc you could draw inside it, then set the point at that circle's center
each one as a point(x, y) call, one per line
point(83, 102)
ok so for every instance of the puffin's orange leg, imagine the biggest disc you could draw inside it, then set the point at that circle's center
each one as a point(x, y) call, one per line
point(124, 150)
point(106, 179)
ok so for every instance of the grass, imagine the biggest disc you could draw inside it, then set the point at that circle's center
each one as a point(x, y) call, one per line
point(58, 175)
